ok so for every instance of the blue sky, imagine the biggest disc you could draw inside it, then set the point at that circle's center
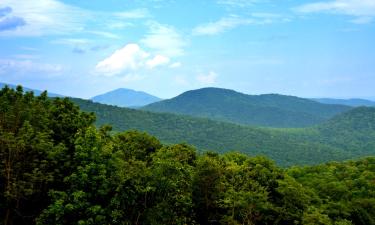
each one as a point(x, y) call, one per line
point(322, 48)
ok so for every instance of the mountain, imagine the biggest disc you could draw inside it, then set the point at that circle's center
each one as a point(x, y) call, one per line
point(286, 146)
point(36, 92)
point(123, 97)
point(355, 102)
point(271, 110)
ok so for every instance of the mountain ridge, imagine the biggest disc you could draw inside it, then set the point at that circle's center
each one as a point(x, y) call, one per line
point(273, 110)
point(355, 102)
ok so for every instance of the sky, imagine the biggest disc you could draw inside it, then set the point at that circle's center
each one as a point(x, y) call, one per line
point(315, 48)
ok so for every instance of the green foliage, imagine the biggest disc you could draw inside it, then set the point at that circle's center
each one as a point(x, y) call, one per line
point(343, 191)
point(32, 130)
point(270, 110)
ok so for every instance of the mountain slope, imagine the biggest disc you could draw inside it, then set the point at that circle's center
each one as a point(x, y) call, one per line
point(125, 98)
point(36, 92)
point(285, 146)
point(263, 110)
point(351, 129)
point(355, 102)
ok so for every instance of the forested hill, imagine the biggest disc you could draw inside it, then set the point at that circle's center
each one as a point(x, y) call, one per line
point(270, 110)
point(126, 98)
point(351, 129)
point(285, 146)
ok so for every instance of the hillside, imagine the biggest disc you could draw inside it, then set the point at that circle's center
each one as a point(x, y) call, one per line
point(123, 97)
point(271, 110)
point(285, 146)
point(355, 102)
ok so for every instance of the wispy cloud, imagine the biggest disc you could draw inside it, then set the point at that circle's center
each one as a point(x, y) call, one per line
point(104, 34)
point(46, 17)
point(221, 25)
point(164, 40)
point(28, 66)
point(53, 17)
point(233, 21)
point(72, 41)
point(79, 45)
point(363, 11)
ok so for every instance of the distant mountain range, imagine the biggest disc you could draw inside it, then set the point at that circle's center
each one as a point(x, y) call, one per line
point(355, 102)
point(36, 92)
point(271, 110)
point(123, 97)
point(344, 133)
point(346, 136)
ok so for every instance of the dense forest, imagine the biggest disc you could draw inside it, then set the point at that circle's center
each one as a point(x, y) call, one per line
point(346, 136)
point(270, 110)
point(56, 167)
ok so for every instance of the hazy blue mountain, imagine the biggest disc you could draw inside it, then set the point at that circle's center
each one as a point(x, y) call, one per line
point(270, 110)
point(345, 136)
point(36, 92)
point(350, 102)
point(126, 98)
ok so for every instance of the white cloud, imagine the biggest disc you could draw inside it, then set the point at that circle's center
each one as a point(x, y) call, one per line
point(28, 66)
point(207, 79)
point(363, 11)
point(157, 61)
point(128, 58)
point(164, 39)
